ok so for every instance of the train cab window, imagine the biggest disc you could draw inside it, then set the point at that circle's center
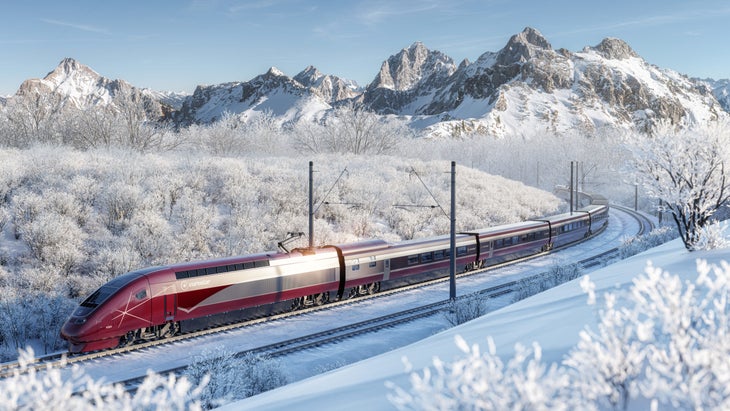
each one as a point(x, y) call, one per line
point(412, 259)
point(98, 297)
point(141, 294)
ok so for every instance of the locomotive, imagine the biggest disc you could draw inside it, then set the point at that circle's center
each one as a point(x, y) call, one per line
point(162, 301)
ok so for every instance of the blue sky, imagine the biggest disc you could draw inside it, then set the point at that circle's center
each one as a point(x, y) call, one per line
point(176, 45)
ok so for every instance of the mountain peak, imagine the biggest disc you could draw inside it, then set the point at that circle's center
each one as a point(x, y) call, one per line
point(273, 71)
point(615, 49)
point(69, 67)
point(523, 46)
point(412, 65)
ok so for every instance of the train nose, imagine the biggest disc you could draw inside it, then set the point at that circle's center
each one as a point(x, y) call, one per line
point(73, 328)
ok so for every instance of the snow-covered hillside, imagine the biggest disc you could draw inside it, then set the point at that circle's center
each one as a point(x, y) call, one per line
point(548, 327)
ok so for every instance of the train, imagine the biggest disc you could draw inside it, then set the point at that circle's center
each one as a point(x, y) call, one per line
point(163, 301)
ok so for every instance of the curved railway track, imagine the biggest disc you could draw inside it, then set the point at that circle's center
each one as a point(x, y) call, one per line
point(329, 336)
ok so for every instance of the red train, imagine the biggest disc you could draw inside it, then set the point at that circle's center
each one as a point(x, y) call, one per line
point(159, 302)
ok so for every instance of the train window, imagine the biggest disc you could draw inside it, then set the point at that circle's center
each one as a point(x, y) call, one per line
point(221, 269)
point(426, 257)
point(262, 263)
point(248, 265)
point(182, 274)
point(499, 243)
point(412, 259)
point(372, 264)
point(356, 267)
point(210, 270)
point(438, 255)
point(98, 297)
point(141, 294)
point(460, 251)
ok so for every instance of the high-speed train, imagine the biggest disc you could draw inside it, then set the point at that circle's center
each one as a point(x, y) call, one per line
point(158, 302)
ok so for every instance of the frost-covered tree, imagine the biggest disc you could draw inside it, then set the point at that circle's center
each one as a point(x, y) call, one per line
point(351, 129)
point(687, 171)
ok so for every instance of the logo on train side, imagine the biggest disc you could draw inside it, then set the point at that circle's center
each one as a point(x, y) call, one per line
point(193, 284)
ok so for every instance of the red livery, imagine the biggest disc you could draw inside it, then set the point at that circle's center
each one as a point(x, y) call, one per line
point(159, 302)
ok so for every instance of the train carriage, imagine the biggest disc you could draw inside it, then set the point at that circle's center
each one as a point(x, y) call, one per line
point(157, 302)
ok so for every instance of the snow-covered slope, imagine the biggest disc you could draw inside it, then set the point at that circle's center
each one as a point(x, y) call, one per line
point(272, 92)
point(721, 90)
point(553, 319)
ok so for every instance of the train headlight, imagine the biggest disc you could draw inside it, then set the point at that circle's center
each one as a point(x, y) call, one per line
point(78, 320)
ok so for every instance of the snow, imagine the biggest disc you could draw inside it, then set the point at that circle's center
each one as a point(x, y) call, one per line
point(553, 319)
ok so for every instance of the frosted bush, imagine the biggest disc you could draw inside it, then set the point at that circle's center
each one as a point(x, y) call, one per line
point(54, 239)
point(466, 309)
point(151, 236)
point(713, 236)
point(482, 381)
point(663, 342)
point(31, 389)
point(227, 377)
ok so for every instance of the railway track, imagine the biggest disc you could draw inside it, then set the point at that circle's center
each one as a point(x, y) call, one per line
point(317, 339)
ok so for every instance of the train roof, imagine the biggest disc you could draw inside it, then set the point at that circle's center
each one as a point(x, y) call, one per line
point(508, 229)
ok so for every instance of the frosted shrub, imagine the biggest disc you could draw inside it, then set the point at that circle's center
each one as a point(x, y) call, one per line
point(635, 245)
point(230, 378)
point(665, 344)
point(558, 274)
point(29, 389)
point(150, 235)
point(713, 236)
point(194, 220)
point(482, 381)
point(54, 239)
point(466, 309)
point(4, 217)
point(119, 203)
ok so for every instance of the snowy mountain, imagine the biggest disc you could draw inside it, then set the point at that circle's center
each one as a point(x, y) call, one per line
point(407, 81)
point(526, 87)
point(331, 88)
point(272, 92)
point(74, 85)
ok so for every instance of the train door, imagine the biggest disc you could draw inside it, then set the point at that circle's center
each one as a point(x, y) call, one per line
point(170, 307)
point(386, 270)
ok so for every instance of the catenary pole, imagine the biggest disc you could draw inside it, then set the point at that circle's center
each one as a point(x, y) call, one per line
point(311, 205)
point(452, 269)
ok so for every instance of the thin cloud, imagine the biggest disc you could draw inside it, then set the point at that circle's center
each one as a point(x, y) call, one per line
point(81, 27)
point(655, 20)
point(381, 11)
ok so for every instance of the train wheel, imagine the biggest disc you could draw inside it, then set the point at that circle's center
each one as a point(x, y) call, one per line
point(170, 329)
point(128, 339)
point(318, 299)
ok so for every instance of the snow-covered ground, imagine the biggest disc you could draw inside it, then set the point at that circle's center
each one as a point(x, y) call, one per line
point(553, 319)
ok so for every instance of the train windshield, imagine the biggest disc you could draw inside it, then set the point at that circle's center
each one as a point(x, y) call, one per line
point(98, 297)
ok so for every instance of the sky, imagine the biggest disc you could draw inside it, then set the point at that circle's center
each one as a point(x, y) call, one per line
point(175, 45)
